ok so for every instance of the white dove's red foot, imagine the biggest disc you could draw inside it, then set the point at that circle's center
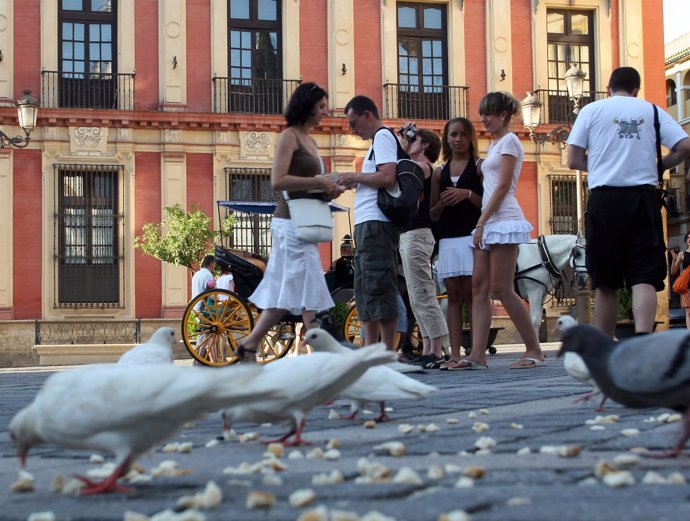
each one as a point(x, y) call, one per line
point(109, 484)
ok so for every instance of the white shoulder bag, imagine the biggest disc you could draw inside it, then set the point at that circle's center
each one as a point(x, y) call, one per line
point(312, 219)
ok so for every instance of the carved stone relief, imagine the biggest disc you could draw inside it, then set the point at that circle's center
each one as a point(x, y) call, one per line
point(257, 144)
point(88, 141)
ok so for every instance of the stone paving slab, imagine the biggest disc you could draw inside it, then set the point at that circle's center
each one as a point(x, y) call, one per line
point(515, 487)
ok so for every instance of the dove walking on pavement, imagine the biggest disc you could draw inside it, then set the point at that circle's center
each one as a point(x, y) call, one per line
point(126, 410)
point(158, 349)
point(311, 380)
point(378, 384)
point(575, 366)
point(639, 372)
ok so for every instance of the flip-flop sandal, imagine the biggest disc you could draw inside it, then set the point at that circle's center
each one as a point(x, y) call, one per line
point(443, 366)
point(535, 363)
point(469, 365)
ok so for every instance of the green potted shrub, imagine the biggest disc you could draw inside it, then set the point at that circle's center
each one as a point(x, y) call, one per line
point(626, 323)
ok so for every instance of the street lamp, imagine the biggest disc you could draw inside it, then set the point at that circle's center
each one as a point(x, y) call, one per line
point(27, 112)
point(531, 116)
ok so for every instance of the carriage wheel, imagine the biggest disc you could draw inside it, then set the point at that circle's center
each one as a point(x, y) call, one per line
point(277, 343)
point(352, 328)
point(213, 326)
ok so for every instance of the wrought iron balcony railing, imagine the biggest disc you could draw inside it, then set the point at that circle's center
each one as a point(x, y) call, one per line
point(425, 102)
point(557, 107)
point(86, 90)
point(251, 95)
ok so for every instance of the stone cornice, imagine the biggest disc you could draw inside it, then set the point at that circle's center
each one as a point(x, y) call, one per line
point(205, 121)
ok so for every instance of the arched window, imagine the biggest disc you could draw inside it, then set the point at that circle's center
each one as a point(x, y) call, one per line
point(671, 93)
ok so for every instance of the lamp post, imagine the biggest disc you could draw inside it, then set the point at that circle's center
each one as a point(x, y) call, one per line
point(531, 115)
point(27, 112)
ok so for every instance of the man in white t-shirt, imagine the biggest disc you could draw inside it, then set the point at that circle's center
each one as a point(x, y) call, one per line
point(615, 141)
point(203, 279)
point(376, 238)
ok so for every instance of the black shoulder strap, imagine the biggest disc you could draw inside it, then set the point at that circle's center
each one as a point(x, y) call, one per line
point(657, 131)
point(401, 151)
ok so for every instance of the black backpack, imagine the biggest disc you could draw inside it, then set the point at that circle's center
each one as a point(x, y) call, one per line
point(400, 203)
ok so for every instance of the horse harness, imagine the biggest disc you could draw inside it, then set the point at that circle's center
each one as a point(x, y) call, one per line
point(546, 263)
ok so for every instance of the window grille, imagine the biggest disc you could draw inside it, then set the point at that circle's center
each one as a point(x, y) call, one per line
point(89, 228)
point(251, 232)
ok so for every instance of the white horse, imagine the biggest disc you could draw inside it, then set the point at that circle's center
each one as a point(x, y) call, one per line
point(540, 265)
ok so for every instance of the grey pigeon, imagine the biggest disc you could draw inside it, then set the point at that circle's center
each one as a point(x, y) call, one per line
point(640, 372)
point(379, 384)
point(158, 349)
point(575, 366)
point(126, 410)
point(309, 380)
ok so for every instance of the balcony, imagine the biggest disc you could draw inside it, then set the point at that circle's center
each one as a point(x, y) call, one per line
point(557, 107)
point(251, 95)
point(85, 90)
point(431, 102)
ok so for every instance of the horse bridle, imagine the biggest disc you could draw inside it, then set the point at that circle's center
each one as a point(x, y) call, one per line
point(577, 268)
point(547, 263)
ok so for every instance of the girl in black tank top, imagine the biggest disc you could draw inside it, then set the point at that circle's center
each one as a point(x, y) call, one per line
point(456, 207)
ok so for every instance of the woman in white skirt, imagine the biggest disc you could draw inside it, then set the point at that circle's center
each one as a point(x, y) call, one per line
point(501, 228)
point(456, 197)
point(293, 280)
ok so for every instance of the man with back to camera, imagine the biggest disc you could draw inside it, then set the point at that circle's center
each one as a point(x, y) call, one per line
point(376, 238)
point(614, 139)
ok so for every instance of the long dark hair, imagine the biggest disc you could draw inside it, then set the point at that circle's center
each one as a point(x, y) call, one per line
point(447, 153)
point(302, 101)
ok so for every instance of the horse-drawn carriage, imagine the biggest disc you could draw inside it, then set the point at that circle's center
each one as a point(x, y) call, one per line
point(216, 321)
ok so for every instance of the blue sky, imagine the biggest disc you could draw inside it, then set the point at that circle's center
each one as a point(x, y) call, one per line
point(675, 19)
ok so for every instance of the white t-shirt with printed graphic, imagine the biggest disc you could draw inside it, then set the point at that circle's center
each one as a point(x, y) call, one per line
point(618, 133)
point(385, 150)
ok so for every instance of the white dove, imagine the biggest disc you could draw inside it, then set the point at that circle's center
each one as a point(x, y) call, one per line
point(312, 380)
point(158, 349)
point(574, 364)
point(126, 410)
point(379, 384)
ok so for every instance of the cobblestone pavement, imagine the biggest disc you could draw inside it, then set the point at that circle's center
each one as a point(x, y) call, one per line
point(535, 486)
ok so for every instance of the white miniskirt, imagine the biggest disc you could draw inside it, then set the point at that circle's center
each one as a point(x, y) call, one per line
point(514, 231)
point(294, 278)
point(455, 257)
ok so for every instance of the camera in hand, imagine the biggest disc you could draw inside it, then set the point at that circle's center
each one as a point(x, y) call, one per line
point(408, 133)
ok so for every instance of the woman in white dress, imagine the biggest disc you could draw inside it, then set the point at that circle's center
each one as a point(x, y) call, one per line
point(293, 280)
point(500, 229)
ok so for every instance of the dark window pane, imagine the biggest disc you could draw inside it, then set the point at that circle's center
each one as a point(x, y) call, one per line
point(239, 9)
point(72, 5)
point(268, 10)
point(407, 17)
point(433, 18)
